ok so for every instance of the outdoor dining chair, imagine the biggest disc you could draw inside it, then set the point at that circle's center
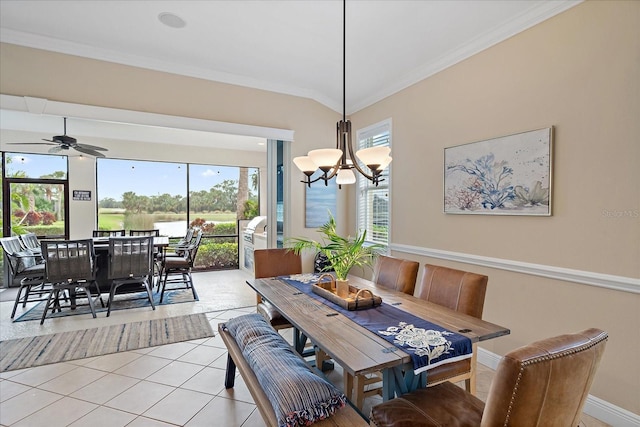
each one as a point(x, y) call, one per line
point(157, 253)
point(130, 263)
point(32, 244)
point(108, 233)
point(69, 267)
point(25, 271)
point(177, 269)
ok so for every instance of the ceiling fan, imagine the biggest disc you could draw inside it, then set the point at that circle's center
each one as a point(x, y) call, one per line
point(65, 142)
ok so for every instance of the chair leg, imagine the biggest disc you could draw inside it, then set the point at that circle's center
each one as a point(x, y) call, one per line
point(46, 306)
point(112, 295)
point(90, 298)
point(164, 285)
point(193, 288)
point(146, 285)
point(13, 313)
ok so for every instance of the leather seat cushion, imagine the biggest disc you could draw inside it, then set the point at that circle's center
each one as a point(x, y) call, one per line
point(442, 405)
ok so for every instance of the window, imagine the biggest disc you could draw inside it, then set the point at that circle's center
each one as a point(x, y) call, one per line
point(372, 201)
point(136, 194)
point(35, 194)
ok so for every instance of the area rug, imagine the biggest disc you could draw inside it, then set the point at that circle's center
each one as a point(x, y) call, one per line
point(45, 349)
point(121, 302)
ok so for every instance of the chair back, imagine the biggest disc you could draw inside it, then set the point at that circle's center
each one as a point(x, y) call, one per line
point(108, 233)
point(130, 257)
point(30, 241)
point(68, 260)
point(396, 273)
point(276, 262)
point(187, 237)
point(153, 232)
point(192, 250)
point(456, 289)
point(545, 383)
point(13, 247)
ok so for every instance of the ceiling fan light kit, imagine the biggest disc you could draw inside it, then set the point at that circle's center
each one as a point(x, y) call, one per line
point(341, 161)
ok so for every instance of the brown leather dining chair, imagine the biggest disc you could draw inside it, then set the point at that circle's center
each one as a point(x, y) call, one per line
point(393, 273)
point(272, 263)
point(461, 291)
point(396, 273)
point(544, 383)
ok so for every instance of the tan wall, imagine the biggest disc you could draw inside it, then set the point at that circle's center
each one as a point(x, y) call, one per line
point(580, 72)
point(57, 77)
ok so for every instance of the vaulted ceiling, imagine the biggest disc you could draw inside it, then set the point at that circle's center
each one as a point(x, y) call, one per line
point(287, 46)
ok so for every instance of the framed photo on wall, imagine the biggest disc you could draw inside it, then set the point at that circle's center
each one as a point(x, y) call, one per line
point(508, 175)
point(319, 201)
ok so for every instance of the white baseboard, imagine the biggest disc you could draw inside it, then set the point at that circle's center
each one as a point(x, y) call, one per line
point(594, 406)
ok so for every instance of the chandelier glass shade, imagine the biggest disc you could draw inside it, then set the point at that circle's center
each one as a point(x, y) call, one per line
point(340, 162)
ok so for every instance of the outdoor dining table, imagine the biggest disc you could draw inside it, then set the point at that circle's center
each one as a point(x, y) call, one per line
point(360, 350)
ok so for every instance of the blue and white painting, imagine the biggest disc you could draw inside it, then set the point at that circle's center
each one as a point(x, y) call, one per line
point(509, 175)
point(320, 200)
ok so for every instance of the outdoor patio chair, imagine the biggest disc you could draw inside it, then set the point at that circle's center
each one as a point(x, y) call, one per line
point(130, 263)
point(108, 233)
point(30, 242)
point(24, 271)
point(157, 253)
point(179, 268)
point(69, 266)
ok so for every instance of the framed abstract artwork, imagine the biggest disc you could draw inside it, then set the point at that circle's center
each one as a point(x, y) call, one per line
point(508, 175)
point(320, 200)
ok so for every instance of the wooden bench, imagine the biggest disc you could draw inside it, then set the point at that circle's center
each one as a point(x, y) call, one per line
point(344, 417)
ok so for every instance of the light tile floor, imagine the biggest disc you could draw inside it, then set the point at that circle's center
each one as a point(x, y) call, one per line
point(180, 384)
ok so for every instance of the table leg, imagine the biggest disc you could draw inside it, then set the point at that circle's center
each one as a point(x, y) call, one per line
point(299, 340)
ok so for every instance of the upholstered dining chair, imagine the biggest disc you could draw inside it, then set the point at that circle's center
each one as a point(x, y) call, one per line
point(544, 383)
point(463, 292)
point(390, 272)
point(396, 273)
point(130, 263)
point(272, 263)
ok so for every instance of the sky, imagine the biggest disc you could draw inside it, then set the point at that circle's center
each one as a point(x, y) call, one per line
point(144, 178)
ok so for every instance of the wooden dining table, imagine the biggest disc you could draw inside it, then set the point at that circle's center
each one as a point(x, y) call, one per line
point(358, 350)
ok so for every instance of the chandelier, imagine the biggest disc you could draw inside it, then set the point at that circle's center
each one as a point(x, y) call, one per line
point(340, 161)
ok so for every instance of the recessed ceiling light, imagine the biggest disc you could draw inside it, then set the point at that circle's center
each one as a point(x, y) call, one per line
point(171, 20)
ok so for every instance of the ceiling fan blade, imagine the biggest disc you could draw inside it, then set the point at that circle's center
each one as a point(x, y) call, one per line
point(83, 149)
point(89, 147)
point(54, 150)
point(27, 143)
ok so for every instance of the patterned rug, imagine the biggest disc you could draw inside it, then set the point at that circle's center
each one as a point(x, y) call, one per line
point(121, 302)
point(45, 349)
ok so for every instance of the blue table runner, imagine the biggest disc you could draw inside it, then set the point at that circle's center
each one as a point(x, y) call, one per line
point(428, 344)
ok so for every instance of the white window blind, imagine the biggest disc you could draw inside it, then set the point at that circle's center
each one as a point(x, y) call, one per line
point(373, 202)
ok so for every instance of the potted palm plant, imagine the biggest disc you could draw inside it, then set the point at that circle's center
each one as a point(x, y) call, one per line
point(342, 253)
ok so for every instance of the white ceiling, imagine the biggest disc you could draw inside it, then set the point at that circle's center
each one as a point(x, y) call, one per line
point(287, 46)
